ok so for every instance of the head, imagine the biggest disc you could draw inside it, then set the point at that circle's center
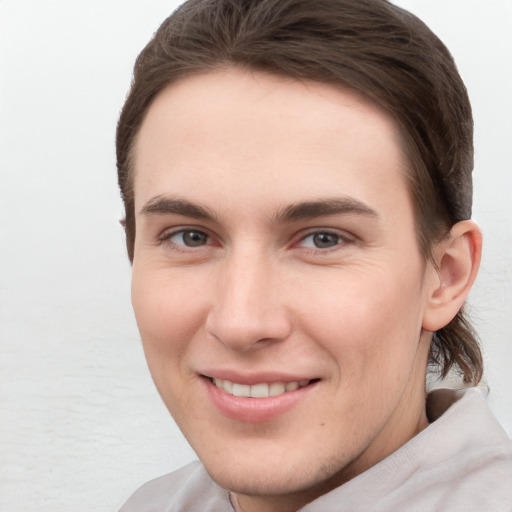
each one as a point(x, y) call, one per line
point(376, 48)
point(367, 59)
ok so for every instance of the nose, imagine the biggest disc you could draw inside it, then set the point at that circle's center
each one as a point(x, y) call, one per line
point(249, 309)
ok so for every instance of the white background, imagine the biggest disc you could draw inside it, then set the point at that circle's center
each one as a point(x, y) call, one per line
point(80, 423)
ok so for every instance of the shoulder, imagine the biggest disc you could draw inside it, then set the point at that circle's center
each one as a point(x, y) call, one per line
point(461, 462)
point(473, 454)
point(189, 488)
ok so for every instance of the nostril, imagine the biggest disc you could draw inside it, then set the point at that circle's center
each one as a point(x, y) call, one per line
point(247, 332)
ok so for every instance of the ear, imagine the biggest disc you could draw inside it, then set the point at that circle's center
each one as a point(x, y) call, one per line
point(457, 258)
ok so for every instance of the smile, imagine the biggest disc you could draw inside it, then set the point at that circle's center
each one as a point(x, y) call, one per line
point(261, 390)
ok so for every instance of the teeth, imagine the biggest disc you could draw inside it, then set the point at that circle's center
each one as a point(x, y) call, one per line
point(241, 390)
point(259, 390)
point(262, 390)
point(277, 388)
point(292, 386)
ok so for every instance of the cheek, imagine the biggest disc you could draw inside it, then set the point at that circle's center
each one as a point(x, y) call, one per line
point(168, 313)
point(369, 324)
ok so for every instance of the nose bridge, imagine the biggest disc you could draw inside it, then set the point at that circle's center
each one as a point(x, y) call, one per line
point(248, 307)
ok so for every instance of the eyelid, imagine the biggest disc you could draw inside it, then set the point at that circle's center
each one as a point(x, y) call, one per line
point(345, 238)
point(168, 233)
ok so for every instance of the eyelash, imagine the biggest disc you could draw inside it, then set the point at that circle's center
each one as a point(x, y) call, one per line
point(342, 239)
point(166, 237)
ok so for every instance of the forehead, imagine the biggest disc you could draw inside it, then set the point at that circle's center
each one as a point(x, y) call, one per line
point(232, 127)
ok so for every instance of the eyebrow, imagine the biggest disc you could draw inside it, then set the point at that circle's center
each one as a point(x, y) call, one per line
point(322, 207)
point(304, 210)
point(171, 206)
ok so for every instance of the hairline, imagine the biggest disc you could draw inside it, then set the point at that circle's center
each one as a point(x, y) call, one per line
point(405, 141)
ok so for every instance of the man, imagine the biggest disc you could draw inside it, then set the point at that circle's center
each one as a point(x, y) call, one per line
point(297, 184)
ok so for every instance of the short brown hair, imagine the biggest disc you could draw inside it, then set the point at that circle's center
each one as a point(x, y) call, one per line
point(369, 45)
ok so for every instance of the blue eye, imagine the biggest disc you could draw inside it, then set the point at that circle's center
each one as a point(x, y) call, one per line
point(189, 238)
point(321, 240)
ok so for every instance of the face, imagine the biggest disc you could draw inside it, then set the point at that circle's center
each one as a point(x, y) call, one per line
point(277, 282)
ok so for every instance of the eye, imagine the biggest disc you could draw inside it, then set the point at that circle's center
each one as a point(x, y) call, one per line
point(189, 238)
point(322, 240)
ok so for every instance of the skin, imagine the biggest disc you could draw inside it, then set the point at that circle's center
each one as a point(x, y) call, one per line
point(255, 294)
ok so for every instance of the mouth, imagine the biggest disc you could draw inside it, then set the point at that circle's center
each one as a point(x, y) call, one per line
point(260, 390)
point(257, 401)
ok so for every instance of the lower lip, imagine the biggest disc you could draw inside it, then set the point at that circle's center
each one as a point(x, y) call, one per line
point(254, 410)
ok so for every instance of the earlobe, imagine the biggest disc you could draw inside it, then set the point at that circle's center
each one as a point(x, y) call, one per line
point(458, 259)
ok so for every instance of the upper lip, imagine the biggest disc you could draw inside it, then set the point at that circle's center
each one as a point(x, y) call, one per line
point(255, 378)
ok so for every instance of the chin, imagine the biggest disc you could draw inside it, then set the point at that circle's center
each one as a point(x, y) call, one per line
point(277, 478)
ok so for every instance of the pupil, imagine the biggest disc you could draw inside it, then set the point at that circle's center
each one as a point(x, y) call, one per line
point(323, 240)
point(194, 238)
